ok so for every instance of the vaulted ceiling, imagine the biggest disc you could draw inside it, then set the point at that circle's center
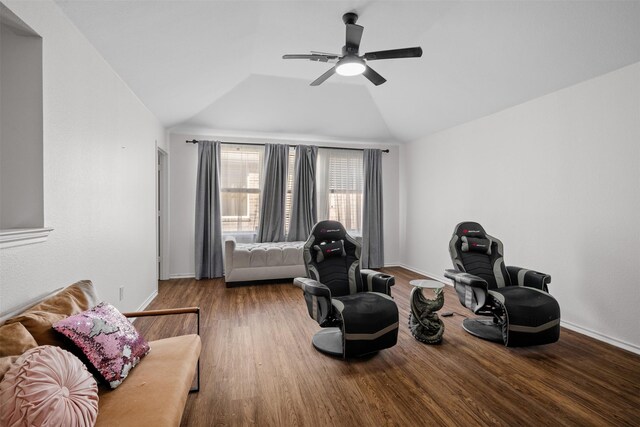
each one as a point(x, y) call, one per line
point(218, 64)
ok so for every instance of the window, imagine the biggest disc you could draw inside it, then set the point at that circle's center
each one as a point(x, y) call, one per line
point(340, 186)
point(340, 179)
point(240, 180)
point(240, 174)
point(290, 173)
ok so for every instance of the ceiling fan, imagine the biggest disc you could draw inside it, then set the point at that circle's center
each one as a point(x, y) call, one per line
point(351, 63)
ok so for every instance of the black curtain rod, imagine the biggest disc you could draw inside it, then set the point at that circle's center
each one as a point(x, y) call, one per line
point(195, 141)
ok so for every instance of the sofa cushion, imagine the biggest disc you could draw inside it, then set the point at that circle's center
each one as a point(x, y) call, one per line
point(39, 324)
point(6, 363)
point(48, 386)
point(39, 319)
point(15, 340)
point(157, 388)
point(107, 339)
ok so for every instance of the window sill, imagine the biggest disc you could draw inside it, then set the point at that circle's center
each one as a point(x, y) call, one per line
point(23, 236)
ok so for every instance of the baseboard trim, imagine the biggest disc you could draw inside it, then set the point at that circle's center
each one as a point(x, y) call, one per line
point(146, 302)
point(572, 326)
point(182, 276)
point(600, 337)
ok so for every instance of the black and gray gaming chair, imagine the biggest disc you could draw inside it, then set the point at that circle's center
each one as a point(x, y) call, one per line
point(353, 306)
point(523, 313)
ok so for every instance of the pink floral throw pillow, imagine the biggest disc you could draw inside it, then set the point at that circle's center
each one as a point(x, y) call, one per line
point(108, 340)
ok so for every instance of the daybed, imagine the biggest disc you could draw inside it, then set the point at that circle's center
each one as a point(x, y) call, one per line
point(155, 391)
point(244, 262)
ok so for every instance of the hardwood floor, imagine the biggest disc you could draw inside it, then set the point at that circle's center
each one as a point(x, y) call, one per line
point(258, 367)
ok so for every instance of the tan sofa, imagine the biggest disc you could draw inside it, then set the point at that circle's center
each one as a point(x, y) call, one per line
point(155, 391)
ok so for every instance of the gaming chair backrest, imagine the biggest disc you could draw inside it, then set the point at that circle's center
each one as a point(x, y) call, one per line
point(332, 257)
point(473, 251)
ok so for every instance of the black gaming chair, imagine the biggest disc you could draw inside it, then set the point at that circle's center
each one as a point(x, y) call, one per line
point(523, 312)
point(353, 306)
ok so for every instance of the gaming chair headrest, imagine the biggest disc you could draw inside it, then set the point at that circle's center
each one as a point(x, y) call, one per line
point(328, 231)
point(472, 238)
point(470, 229)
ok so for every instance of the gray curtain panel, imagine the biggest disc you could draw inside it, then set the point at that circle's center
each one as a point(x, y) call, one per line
point(274, 192)
point(372, 232)
point(303, 200)
point(208, 239)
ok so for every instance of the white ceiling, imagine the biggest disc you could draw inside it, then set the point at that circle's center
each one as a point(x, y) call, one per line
point(217, 64)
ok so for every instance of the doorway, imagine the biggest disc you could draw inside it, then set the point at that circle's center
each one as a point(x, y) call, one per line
point(162, 217)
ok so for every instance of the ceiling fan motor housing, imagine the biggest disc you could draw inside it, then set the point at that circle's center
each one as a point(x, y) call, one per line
point(350, 51)
point(350, 18)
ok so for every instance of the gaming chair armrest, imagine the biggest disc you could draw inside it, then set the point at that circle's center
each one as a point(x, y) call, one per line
point(376, 281)
point(318, 299)
point(530, 278)
point(312, 287)
point(466, 279)
point(472, 290)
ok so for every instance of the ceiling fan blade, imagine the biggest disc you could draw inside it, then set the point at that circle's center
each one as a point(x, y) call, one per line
point(330, 57)
point(317, 52)
point(354, 35)
point(312, 57)
point(323, 77)
point(373, 77)
point(409, 52)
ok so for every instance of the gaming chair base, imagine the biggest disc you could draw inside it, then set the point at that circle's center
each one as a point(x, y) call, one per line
point(329, 341)
point(484, 328)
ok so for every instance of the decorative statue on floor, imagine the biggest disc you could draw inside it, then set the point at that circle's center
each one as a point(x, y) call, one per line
point(424, 323)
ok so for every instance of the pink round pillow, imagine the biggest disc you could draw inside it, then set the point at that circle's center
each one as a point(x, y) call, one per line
point(48, 386)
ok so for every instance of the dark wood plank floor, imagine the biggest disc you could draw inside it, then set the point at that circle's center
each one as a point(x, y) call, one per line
point(259, 368)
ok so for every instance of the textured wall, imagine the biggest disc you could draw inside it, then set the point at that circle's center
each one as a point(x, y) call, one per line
point(557, 179)
point(99, 175)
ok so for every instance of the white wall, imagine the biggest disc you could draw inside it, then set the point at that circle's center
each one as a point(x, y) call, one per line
point(557, 179)
point(183, 166)
point(99, 175)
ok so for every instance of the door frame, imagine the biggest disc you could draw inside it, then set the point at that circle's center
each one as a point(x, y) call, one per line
point(162, 212)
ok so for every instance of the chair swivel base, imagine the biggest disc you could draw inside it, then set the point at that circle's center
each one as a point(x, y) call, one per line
point(329, 341)
point(484, 328)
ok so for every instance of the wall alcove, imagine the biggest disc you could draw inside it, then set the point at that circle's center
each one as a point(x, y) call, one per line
point(21, 133)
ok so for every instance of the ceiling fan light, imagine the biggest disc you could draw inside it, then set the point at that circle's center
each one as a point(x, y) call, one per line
point(350, 67)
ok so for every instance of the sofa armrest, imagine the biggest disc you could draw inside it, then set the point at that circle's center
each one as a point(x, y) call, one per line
point(530, 278)
point(376, 281)
point(229, 248)
point(168, 312)
point(163, 312)
point(171, 312)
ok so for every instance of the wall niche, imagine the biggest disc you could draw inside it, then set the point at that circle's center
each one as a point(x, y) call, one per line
point(21, 133)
